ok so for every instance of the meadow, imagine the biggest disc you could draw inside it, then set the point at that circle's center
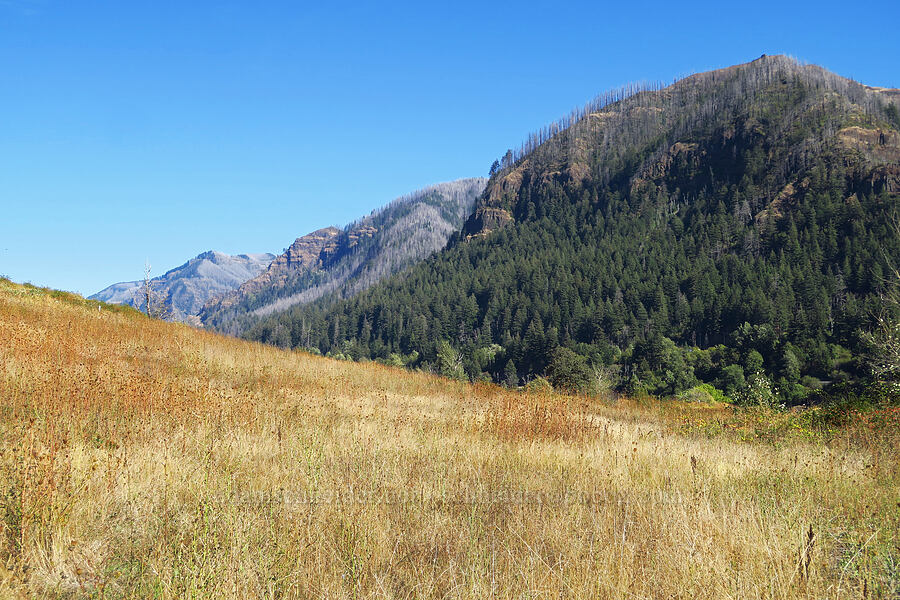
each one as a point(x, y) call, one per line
point(140, 458)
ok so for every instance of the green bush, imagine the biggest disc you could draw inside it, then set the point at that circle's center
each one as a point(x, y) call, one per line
point(703, 393)
point(569, 371)
point(393, 360)
point(695, 394)
point(449, 361)
point(538, 385)
point(758, 391)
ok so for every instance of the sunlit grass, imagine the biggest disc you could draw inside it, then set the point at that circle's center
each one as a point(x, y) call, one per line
point(142, 458)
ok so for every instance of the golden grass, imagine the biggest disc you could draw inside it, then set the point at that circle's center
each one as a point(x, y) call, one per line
point(142, 458)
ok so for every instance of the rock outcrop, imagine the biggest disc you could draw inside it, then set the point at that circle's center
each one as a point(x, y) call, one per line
point(307, 253)
point(343, 262)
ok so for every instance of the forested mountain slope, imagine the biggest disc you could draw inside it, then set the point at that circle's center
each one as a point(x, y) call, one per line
point(185, 289)
point(338, 263)
point(732, 228)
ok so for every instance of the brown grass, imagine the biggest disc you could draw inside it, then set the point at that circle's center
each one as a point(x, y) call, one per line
point(142, 458)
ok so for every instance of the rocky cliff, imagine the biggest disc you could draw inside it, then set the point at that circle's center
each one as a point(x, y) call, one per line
point(342, 262)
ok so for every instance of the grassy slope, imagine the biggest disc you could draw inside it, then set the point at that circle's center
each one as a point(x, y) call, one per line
point(145, 458)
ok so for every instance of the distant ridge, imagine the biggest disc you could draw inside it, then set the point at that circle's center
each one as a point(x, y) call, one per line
point(188, 287)
point(339, 263)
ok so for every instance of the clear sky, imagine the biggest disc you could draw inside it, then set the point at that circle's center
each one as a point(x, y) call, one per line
point(133, 131)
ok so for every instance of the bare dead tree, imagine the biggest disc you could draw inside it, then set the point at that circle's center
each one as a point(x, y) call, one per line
point(884, 341)
point(150, 300)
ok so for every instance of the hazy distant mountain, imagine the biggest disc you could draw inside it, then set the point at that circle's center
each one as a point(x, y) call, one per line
point(343, 262)
point(188, 287)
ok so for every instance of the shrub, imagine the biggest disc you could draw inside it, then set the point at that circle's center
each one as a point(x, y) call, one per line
point(758, 391)
point(394, 360)
point(704, 393)
point(569, 371)
point(449, 361)
point(538, 385)
point(695, 394)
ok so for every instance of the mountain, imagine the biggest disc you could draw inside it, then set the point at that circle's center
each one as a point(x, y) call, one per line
point(338, 263)
point(188, 287)
point(732, 229)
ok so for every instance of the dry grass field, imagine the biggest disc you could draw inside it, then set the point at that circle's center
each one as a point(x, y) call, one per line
point(147, 459)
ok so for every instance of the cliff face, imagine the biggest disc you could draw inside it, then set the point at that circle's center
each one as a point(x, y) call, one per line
point(307, 253)
point(342, 262)
point(310, 251)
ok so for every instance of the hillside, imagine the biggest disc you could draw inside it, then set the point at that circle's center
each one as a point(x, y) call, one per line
point(140, 458)
point(339, 263)
point(732, 228)
point(187, 288)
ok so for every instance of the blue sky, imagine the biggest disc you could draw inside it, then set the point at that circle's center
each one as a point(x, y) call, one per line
point(133, 131)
